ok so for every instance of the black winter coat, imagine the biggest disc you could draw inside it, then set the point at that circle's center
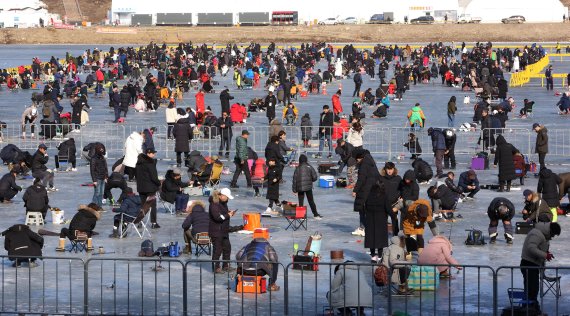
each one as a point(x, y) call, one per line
point(368, 175)
point(423, 170)
point(77, 107)
point(146, 175)
point(39, 163)
point(409, 191)
point(493, 210)
point(227, 131)
point(306, 127)
point(125, 97)
point(131, 205)
point(225, 98)
point(98, 168)
point(8, 183)
point(195, 161)
point(504, 158)
point(391, 186)
point(36, 198)
point(67, 149)
point(376, 225)
point(326, 122)
point(270, 103)
point(548, 187)
point(20, 240)
point(446, 196)
point(345, 153)
point(182, 132)
point(198, 219)
point(170, 187)
point(303, 178)
point(219, 218)
point(272, 150)
point(84, 220)
point(273, 173)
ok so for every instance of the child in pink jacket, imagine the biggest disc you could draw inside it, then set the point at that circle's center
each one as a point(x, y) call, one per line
point(438, 251)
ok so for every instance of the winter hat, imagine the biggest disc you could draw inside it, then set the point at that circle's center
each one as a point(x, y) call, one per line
point(303, 159)
point(555, 229)
point(535, 125)
point(177, 171)
point(527, 192)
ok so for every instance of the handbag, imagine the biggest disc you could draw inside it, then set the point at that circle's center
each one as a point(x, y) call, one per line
point(381, 275)
point(305, 260)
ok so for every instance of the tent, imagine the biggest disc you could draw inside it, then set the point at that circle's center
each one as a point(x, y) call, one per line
point(533, 11)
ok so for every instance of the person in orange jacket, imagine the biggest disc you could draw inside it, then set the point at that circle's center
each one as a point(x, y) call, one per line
point(337, 107)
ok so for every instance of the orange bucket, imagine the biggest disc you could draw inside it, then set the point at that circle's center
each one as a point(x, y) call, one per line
point(251, 221)
point(261, 233)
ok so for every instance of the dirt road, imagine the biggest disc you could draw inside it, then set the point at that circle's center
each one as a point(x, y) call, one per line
point(544, 32)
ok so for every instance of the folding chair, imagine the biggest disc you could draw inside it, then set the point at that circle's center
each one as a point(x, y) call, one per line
point(550, 284)
point(132, 222)
point(168, 207)
point(79, 244)
point(297, 221)
point(215, 176)
point(203, 244)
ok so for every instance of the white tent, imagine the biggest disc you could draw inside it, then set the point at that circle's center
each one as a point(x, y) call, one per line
point(23, 13)
point(532, 10)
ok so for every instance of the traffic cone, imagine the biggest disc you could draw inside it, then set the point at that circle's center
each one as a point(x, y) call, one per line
point(324, 90)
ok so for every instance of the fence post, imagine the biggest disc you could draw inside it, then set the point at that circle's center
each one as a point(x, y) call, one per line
point(495, 293)
point(286, 290)
point(389, 144)
point(184, 289)
point(85, 288)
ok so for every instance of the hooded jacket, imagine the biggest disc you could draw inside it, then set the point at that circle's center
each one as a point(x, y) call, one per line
point(182, 132)
point(536, 244)
point(303, 176)
point(20, 240)
point(393, 255)
point(198, 219)
point(548, 187)
point(39, 161)
point(437, 251)
point(464, 181)
point(258, 254)
point(493, 209)
point(345, 153)
point(306, 127)
point(541, 146)
point(446, 196)
point(133, 147)
point(67, 149)
point(8, 183)
point(410, 191)
point(422, 169)
point(146, 175)
point(504, 158)
point(391, 185)
point(195, 161)
point(36, 198)
point(84, 220)
point(219, 223)
point(98, 167)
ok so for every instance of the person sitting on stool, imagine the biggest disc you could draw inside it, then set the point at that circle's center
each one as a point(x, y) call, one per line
point(84, 221)
point(253, 260)
point(197, 221)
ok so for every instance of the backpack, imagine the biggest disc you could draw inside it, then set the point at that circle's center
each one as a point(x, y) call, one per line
point(147, 249)
point(382, 271)
point(46, 110)
point(475, 238)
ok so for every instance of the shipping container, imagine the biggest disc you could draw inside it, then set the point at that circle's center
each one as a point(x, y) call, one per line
point(285, 18)
point(210, 19)
point(253, 18)
point(174, 19)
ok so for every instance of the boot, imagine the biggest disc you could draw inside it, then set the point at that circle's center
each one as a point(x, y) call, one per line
point(493, 238)
point(508, 186)
point(115, 233)
point(187, 249)
point(89, 244)
point(24, 135)
point(509, 239)
point(61, 246)
point(501, 187)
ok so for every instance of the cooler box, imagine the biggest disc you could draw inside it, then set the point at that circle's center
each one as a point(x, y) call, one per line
point(326, 181)
point(261, 233)
point(251, 284)
point(251, 221)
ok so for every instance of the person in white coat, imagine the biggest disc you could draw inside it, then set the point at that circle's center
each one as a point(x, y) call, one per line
point(132, 149)
point(338, 69)
point(516, 64)
point(355, 135)
point(349, 289)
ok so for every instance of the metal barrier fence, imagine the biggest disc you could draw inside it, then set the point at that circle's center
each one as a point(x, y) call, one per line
point(384, 142)
point(164, 286)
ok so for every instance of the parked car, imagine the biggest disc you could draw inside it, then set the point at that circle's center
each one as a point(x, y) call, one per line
point(329, 21)
point(514, 19)
point(467, 18)
point(426, 19)
point(350, 20)
point(381, 18)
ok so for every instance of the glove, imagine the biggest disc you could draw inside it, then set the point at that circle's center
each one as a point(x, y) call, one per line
point(549, 256)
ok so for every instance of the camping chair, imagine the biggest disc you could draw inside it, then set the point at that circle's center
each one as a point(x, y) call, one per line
point(203, 244)
point(258, 180)
point(247, 84)
point(79, 244)
point(132, 222)
point(297, 221)
point(550, 284)
point(215, 176)
point(168, 207)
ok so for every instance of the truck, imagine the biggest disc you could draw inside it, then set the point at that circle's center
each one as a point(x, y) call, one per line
point(467, 18)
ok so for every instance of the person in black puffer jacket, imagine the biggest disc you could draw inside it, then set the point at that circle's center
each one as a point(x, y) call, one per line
point(20, 240)
point(99, 175)
point(131, 206)
point(183, 134)
point(394, 202)
point(172, 192)
point(548, 187)
point(368, 176)
point(219, 226)
point(197, 221)
point(504, 157)
point(66, 152)
point(442, 199)
point(116, 180)
point(303, 178)
point(84, 221)
point(147, 181)
point(423, 170)
point(39, 169)
point(36, 198)
point(125, 100)
point(8, 186)
point(410, 192)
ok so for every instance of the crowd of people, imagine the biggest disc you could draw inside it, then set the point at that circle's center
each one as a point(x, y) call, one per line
point(382, 196)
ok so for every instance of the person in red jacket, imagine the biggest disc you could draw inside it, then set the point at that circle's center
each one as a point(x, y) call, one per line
point(337, 107)
point(238, 113)
point(200, 107)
